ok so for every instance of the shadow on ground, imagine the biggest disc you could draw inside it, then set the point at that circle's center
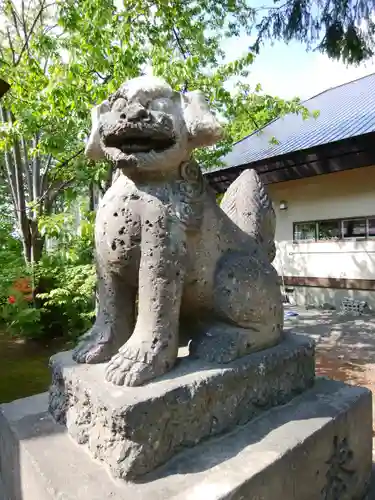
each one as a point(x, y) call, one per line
point(345, 344)
point(24, 367)
point(350, 336)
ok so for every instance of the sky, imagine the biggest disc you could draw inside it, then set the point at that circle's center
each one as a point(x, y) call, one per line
point(289, 71)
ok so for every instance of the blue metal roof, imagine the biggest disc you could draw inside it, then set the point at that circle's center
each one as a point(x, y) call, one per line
point(345, 111)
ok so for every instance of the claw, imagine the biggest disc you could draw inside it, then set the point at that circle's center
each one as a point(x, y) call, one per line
point(92, 349)
point(138, 362)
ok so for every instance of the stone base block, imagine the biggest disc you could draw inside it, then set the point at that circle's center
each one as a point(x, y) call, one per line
point(318, 446)
point(2, 491)
point(135, 430)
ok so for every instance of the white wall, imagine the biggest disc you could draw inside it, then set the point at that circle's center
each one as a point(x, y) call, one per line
point(342, 194)
point(339, 195)
point(342, 259)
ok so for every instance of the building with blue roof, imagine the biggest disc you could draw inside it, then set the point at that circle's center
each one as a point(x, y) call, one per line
point(321, 178)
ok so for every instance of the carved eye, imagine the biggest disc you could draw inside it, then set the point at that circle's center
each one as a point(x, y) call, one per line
point(162, 105)
point(119, 104)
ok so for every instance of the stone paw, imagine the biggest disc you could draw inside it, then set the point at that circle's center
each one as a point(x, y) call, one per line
point(139, 361)
point(96, 346)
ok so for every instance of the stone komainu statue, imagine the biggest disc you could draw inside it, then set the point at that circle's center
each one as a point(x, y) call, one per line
point(198, 270)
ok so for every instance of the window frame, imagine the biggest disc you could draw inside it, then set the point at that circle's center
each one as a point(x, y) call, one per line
point(368, 226)
point(305, 222)
point(348, 238)
point(341, 224)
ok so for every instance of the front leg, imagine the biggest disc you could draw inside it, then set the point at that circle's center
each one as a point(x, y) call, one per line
point(152, 349)
point(114, 322)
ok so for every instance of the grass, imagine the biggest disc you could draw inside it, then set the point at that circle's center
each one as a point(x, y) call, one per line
point(24, 366)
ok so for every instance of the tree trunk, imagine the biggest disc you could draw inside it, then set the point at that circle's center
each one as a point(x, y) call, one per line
point(25, 189)
point(37, 243)
point(37, 249)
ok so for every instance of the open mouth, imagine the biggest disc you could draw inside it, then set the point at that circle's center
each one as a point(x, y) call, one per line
point(143, 145)
point(130, 143)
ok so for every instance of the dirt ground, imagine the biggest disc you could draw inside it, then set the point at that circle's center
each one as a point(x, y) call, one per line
point(345, 345)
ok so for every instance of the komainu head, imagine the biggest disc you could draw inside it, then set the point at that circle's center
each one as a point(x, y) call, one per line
point(147, 125)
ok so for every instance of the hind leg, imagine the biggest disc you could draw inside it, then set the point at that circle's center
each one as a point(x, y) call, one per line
point(248, 304)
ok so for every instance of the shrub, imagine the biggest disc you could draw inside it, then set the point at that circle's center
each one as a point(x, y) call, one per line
point(55, 297)
point(66, 296)
point(20, 317)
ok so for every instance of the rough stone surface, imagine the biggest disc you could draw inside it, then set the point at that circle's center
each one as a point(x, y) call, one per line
point(2, 491)
point(134, 430)
point(318, 446)
point(196, 268)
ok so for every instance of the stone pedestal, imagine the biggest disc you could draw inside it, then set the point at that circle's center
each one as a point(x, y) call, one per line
point(179, 438)
point(318, 446)
point(134, 430)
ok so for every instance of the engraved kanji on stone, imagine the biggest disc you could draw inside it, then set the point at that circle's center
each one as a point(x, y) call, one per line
point(339, 471)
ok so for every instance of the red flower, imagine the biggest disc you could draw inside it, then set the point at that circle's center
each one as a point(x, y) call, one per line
point(22, 285)
point(11, 299)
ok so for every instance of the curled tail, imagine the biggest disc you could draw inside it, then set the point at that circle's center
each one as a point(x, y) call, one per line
point(248, 205)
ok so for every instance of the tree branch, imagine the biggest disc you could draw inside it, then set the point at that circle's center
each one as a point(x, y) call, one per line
point(103, 187)
point(53, 192)
point(50, 188)
point(9, 166)
point(36, 172)
point(26, 44)
point(105, 79)
point(178, 40)
point(16, 18)
point(66, 162)
point(24, 23)
point(27, 169)
point(45, 173)
point(11, 46)
point(23, 219)
point(183, 52)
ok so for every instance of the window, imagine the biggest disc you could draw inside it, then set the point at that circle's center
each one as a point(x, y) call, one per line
point(371, 227)
point(355, 228)
point(334, 229)
point(329, 230)
point(305, 231)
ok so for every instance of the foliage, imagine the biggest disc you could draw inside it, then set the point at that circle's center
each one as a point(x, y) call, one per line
point(20, 317)
point(249, 111)
point(34, 154)
point(60, 61)
point(63, 301)
point(69, 303)
point(12, 263)
point(252, 110)
point(75, 244)
point(342, 29)
point(58, 299)
point(67, 275)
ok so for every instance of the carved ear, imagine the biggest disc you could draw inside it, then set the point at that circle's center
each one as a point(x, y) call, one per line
point(203, 127)
point(93, 148)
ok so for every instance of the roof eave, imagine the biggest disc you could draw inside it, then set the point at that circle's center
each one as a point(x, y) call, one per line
point(341, 155)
